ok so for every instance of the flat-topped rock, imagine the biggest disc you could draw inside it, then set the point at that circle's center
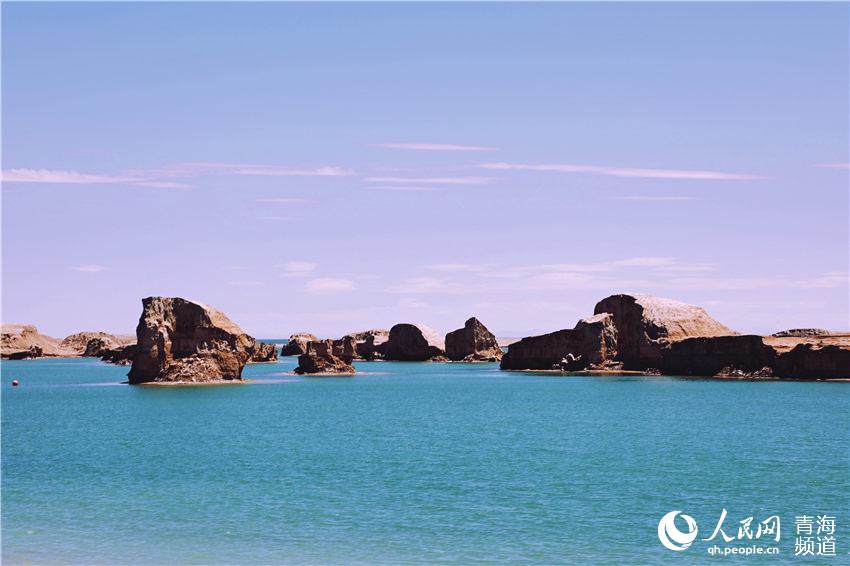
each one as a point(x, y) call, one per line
point(646, 324)
point(79, 342)
point(179, 340)
point(297, 344)
point(749, 356)
point(592, 343)
point(22, 341)
point(801, 333)
point(320, 359)
point(413, 343)
point(473, 342)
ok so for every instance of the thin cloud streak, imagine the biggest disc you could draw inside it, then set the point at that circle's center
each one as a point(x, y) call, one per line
point(163, 178)
point(282, 200)
point(833, 165)
point(61, 177)
point(330, 285)
point(201, 168)
point(622, 171)
point(409, 189)
point(465, 180)
point(434, 147)
point(652, 199)
point(93, 268)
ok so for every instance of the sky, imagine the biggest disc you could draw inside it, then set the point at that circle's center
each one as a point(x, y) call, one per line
point(337, 167)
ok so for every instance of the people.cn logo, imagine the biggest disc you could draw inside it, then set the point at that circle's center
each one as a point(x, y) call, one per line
point(670, 535)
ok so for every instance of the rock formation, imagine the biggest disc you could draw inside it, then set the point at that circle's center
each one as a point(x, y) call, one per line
point(413, 343)
point(321, 359)
point(122, 356)
point(646, 324)
point(715, 355)
point(472, 343)
point(804, 356)
point(592, 343)
point(297, 344)
point(80, 342)
point(22, 341)
point(814, 361)
point(183, 341)
point(263, 352)
point(801, 333)
point(369, 343)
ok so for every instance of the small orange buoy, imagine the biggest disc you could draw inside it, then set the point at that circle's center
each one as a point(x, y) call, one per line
point(14, 383)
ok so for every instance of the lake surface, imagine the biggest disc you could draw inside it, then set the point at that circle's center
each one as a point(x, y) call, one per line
point(409, 463)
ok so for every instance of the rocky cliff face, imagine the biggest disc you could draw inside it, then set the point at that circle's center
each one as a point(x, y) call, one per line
point(413, 343)
point(592, 343)
point(184, 341)
point(814, 361)
point(320, 358)
point(21, 341)
point(297, 344)
point(472, 343)
point(804, 356)
point(715, 355)
point(646, 324)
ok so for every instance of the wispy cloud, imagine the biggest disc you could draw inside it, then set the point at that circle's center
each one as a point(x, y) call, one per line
point(91, 268)
point(166, 177)
point(463, 180)
point(457, 267)
point(409, 189)
point(61, 177)
point(281, 200)
point(420, 285)
point(622, 171)
point(412, 303)
point(330, 285)
point(201, 168)
point(833, 165)
point(434, 147)
point(298, 268)
point(162, 185)
point(827, 280)
point(652, 199)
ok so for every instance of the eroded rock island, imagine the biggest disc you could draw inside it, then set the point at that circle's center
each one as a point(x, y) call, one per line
point(182, 341)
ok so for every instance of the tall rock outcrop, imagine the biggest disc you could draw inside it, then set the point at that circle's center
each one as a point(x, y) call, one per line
point(592, 343)
point(472, 343)
point(321, 358)
point(184, 341)
point(21, 341)
point(297, 344)
point(647, 324)
point(413, 343)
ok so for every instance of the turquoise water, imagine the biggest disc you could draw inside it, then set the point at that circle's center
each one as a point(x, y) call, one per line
point(407, 463)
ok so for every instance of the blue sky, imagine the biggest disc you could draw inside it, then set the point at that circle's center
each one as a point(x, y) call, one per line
point(332, 167)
